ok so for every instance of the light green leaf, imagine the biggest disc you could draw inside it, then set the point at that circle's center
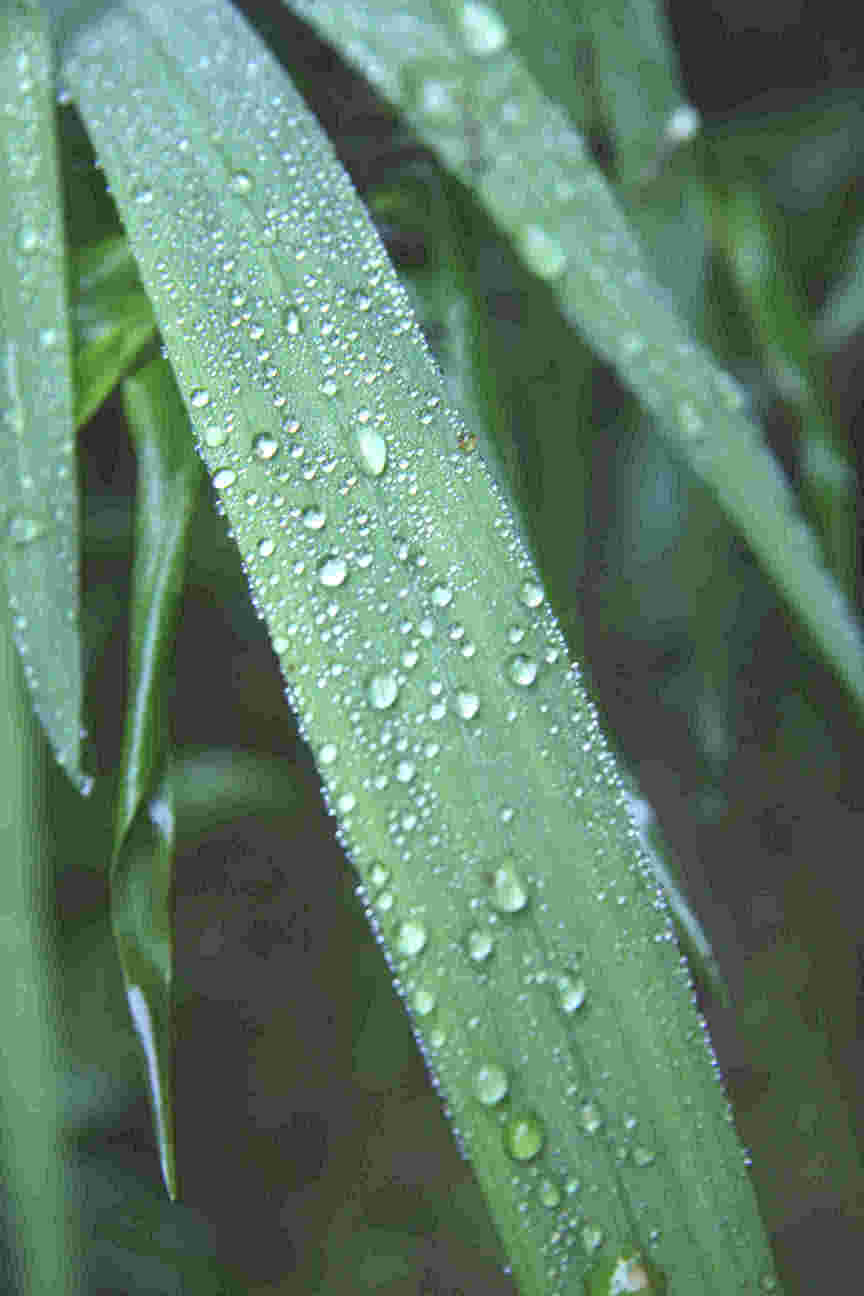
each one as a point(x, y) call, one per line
point(452, 71)
point(38, 491)
point(142, 872)
point(474, 791)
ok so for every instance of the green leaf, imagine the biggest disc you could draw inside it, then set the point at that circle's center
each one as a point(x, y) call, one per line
point(142, 872)
point(844, 309)
point(474, 791)
point(471, 99)
point(38, 490)
point(112, 318)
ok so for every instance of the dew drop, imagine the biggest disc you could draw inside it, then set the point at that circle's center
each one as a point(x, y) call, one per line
point(224, 477)
point(291, 321)
point(467, 704)
point(328, 754)
point(542, 252)
point(424, 1002)
point(215, 436)
point(143, 195)
point(491, 1084)
point(508, 890)
point(571, 994)
point(531, 594)
point(479, 944)
point(199, 397)
point(590, 1118)
point(405, 771)
point(314, 519)
point(441, 595)
point(522, 670)
point(382, 691)
point(332, 572)
point(592, 1238)
point(524, 1137)
point(411, 937)
point(483, 31)
point(379, 876)
point(642, 1156)
point(264, 446)
point(266, 547)
point(240, 183)
point(346, 803)
point(550, 1194)
point(371, 450)
point(23, 530)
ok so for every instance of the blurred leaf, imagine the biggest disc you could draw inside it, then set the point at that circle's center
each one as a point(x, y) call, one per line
point(112, 318)
point(38, 489)
point(530, 169)
point(169, 478)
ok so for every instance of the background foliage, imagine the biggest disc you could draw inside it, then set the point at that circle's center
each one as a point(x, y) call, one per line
point(312, 1151)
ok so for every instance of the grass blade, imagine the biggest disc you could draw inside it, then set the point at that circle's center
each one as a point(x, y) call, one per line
point(473, 788)
point(142, 911)
point(38, 492)
point(452, 71)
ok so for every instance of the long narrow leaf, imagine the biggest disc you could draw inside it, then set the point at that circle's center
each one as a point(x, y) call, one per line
point(452, 71)
point(38, 489)
point(473, 788)
point(169, 477)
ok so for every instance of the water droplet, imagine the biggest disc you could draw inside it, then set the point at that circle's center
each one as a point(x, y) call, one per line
point(550, 1193)
point(524, 1137)
point(682, 124)
point(266, 547)
point(531, 594)
point(291, 321)
point(371, 450)
point(642, 1156)
point(28, 240)
point(224, 477)
point(215, 436)
point(143, 195)
point(240, 183)
point(328, 754)
point(467, 704)
point(483, 31)
point(592, 1238)
point(424, 1002)
point(330, 387)
point(480, 944)
point(199, 397)
point(491, 1084)
point(379, 876)
point(405, 771)
point(508, 890)
point(382, 691)
point(571, 993)
point(590, 1118)
point(264, 447)
point(438, 1037)
point(332, 572)
point(23, 529)
point(411, 937)
point(441, 595)
point(522, 670)
point(542, 252)
point(346, 803)
point(314, 519)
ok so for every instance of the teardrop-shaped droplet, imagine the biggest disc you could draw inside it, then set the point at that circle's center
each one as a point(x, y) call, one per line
point(524, 1137)
point(371, 450)
point(411, 937)
point(509, 893)
point(490, 1084)
point(382, 690)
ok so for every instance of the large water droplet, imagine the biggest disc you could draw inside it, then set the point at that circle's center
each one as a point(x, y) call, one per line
point(333, 571)
point(508, 890)
point(199, 397)
point(224, 477)
point(522, 670)
point(314, 519)
point(371, 450)
point(491, 1084)
point(524, 1137)
point(264, 447)
point(215, 436)
point(411, 937)
point(483, 31)
point(382, 690)
point(467, 704)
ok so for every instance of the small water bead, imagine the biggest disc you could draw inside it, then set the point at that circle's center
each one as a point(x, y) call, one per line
point(572, 1186)
point(491, 1085)
point(438, 1037)
point(542, 252)
point(522, 670)
point(590, 1117)
point(571, 993)
point(385, 901)
point(643, 1156)
point(411, 937)
point(509, 894)
point(515, 634)
point(314, 519)
point(371, 450)
point(291, 321)
point(23, 530)
point(264, 446)
point(424, 1002)
point(266, 547)
point(550, 1194)
point(328, 753)
point(329, 387)
point(382, 690)
point(524, 1137)
point(346, 803)
point(379, 876)
point(441, 595)
point(405, 771)
point(592, 1238)
point(281, 645)
point(143, 195)
point(332, 572)
point(199, 398)
point(480, 944)
point(482, 30)
point(215, 436)
point(467, 704)
point(240, 183)
point(224, 477)
point(531, 594)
